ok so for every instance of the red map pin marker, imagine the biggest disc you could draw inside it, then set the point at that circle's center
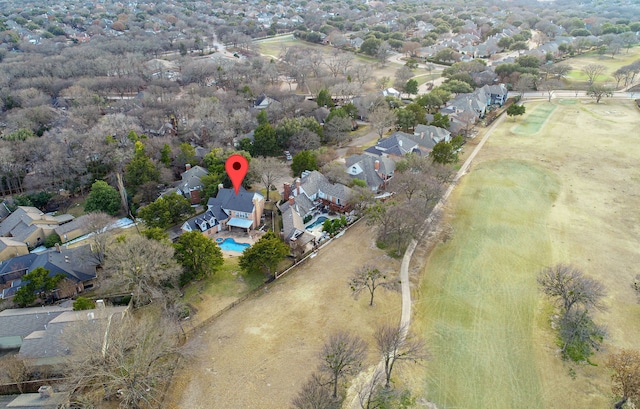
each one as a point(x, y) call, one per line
point(236, 167)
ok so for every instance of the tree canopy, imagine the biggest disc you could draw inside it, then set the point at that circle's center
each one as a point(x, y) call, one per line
point(38, 284)
point(166, 211)
point(198, 255)
point(103, 198)
point(264, 255)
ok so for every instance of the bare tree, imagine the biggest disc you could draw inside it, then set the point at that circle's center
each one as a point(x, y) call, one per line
point(403, 74)
point(361, 73)
point(97, 225)
point(342, 355)
point(570, 287)
point(548, 86)
point(396, 344)
point(129, 359)
point(383, 53)
point(579, 334)
point(269, 171)
point(626, 376)
point(367, 390)
point(370, 278)
point(14, 370)
point(315, 395)
point(592, 71)
point(336, 130)
point(143, 266)
point(409, 182)
point(338, 63)
point(599, 91)
point(525, 83)
point(381, 118)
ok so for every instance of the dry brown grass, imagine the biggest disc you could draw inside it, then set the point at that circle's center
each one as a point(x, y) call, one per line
point(258, 354)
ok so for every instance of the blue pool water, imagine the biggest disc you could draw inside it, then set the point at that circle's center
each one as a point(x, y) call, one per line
point(232, 245)
point(318, 222)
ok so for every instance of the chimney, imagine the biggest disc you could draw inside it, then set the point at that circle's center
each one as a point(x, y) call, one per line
point(292, 200)
point(58, 248)
point(287, 190)
point(99, 303)
point(421, 135)
point(220, 187)
point(187, 166)
point(297, 186)
point(45, 391)
point(431, 135)
point(376, 165)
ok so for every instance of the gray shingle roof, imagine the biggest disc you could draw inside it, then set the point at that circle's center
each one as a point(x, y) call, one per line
point(363, 167)
point(69, 262)
point(398, 144)
point(191, 178)
point(202, 222)
point(23, 321)
point(228, 200)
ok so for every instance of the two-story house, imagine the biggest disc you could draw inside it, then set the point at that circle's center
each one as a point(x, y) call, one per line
point(243, 210)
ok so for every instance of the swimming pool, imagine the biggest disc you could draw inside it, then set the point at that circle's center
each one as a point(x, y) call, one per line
point(318, 222)
point(231, 245)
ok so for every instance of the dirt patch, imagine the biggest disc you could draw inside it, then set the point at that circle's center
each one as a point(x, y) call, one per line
point(259, 354)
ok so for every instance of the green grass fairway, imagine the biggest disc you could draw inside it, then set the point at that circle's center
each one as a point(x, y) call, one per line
point(479, 293)
point(534, 120)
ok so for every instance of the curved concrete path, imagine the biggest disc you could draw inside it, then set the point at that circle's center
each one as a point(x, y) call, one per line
point(405, 318)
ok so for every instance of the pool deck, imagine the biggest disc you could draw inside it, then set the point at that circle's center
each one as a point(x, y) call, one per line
point(239, 237)
point(317, 230)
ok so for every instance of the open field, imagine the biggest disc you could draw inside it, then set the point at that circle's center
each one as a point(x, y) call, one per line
point(568, 193)
point(258, 354)
point(275, 46)
point(612, 64)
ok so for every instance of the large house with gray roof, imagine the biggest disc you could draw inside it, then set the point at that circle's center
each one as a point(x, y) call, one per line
point(397, 145)
point(190, 184)
point(79, 273)
point(309, 194)
point(243, 210)
point(374, 171)
point(38, 332)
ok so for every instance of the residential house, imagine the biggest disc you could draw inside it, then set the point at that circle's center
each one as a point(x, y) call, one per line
point(4, 210)
point(496, 94)
point(356, 42)
point(206, 223)
point(375, 171)
point(434, 133)
point(44, 399)
point(11, 248)
point(16, 324)
point(38, 332)
point(313, 191)
point(391, 92)
point(79, 273)
point(310, 194)
point(190, 185)
point(73, 229)
point(263, 102)
point(293, 230)
point(243, 210)
point(397, 145)
point(30, 226)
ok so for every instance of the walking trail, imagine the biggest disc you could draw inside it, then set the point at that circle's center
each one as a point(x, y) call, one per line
point(405, 319)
